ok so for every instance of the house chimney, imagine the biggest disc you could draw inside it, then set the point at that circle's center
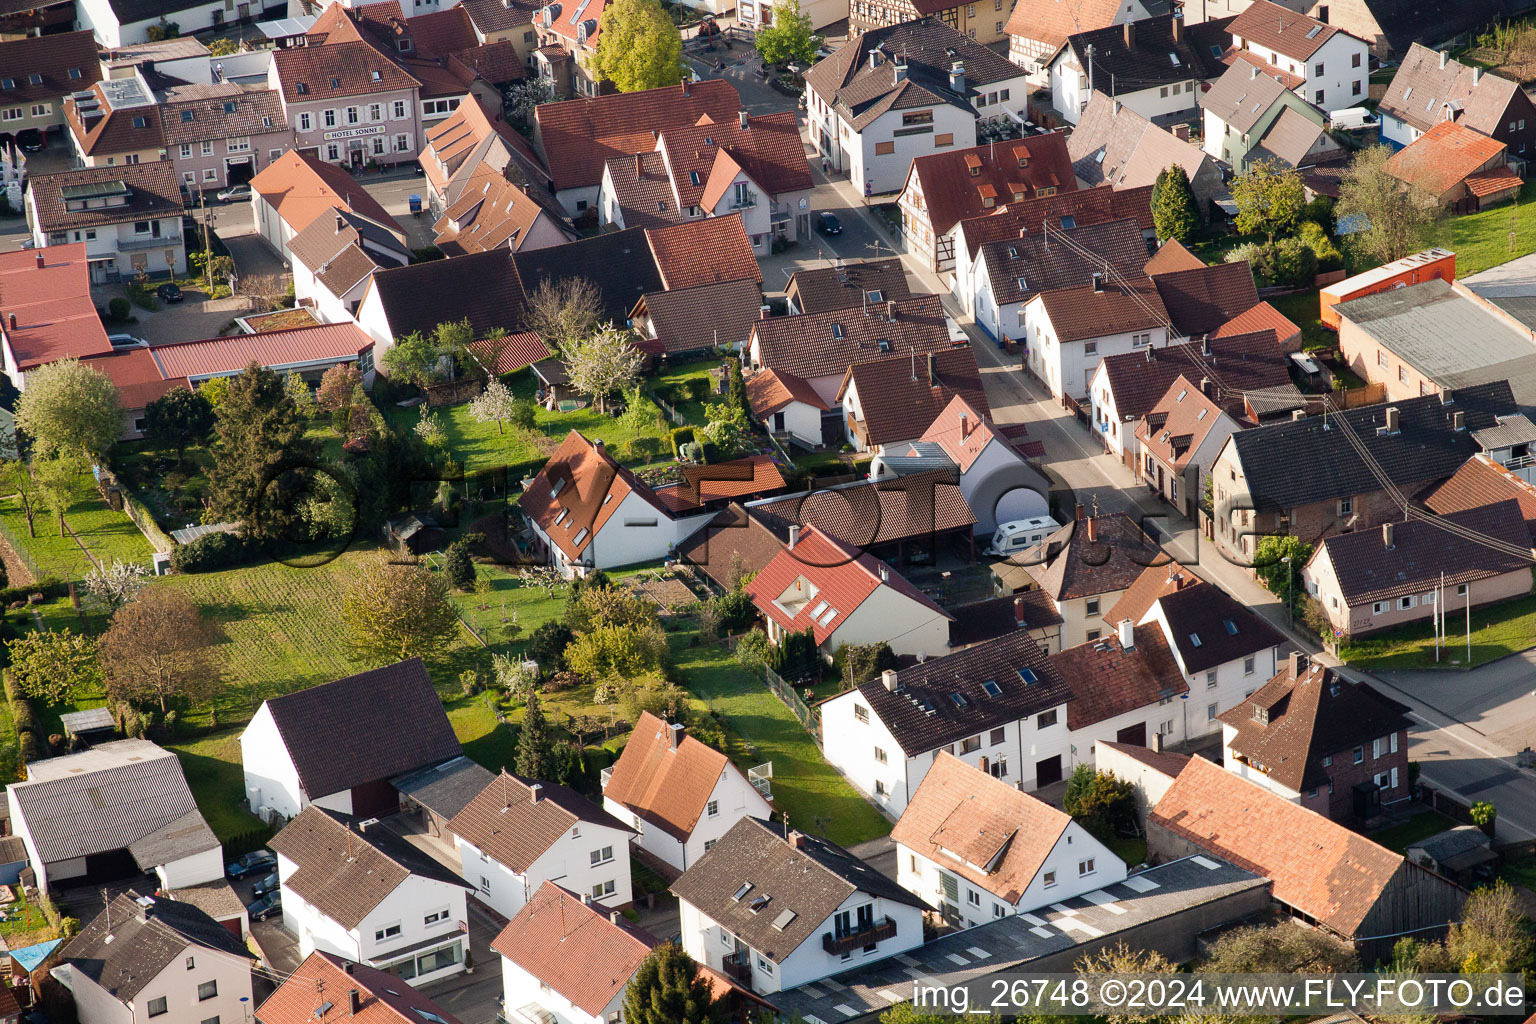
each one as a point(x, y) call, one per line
point(874, 59)
point(687, 86)
point(898, 71)
point(1458, 420)
point(586, 899)
point(741, 119)
point(13, 321)
point(674, 735)
point(1157, 741)
point(1477, 74)
point(1130, 35)
point(41, 263)
point(1098, 281)
point(1093, 530)
point(1298, 414)
point(354, 1002)
point(341, 224)
point(1205, 386)
point(1205, 345)
point(347, 966)
point(885, 573)
point(1116, 108)
point(796, 839)
point(1393, 419)
point(1298, 664)
point(535, 793)
point(639, 166)
point(888, 679)
point(1178, 28)
point(933, 375)
point(1322, 13)
point(1253, 72)
point(957, 78)
point(1387, 538)
point(613, 916)
point(1181, 131)
point(965, 425)
point(1445, 58)
point(1078, 513)
point(1127, 630)
point(794, 536)
point(1018, 611)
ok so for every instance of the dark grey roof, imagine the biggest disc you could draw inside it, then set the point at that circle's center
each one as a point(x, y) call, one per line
point(618, 263)
point(1146, 63)
point(1021, 268)
point(127, 946)
point(811, 880)
point(932, 684)
point(1226, 629)
point(445, 789)
point(987, 620)
point(482, 287)
point(1453, 842)
point(1300, 461)
point(371, 726)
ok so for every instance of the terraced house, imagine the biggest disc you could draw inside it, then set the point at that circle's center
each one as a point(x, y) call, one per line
point(38, 72)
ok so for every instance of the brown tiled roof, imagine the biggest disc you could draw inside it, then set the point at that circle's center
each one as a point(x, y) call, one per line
point(345, 734)
point(900, 401)
point(1244, 362)
point(512, 352)
point(491, 16)
point(1081, 312)
point(963, 183)
point(575, 487)
point(999, 616)
point(1493, 182)
point(301, 188)
point(1481, 481)
point(1304, 720)
point(768, 391)
point(1200, 300)
point(341, 253)
point(1021, 268)
point(1282, 30)
point(665, 786)
point(1174, 428)
point(819, 289)
point(136, 374)
point(385, 998)
point(721, 481)
point(1443, 156)
point(1159, 53)
point(491, 213)
point(983, 829)
point(483, 287)
point(579, 136)
point(1171, 256)
point(352, 65)
point(1052, 21)
point(1074, 566)
point(345, 873)
point(153, 188)
point(1209, 628)
point(1149, 586)
point(1242, 95)
point(47, 67)
point(704, 252)
point(102, 127)
point(688, 319)
point(643, 190)
point(731, 533)
point(1291, 138)
point(1262, 317)
point(869, 513)
point(769, 150)
point(808, 345)
point(124, 950)
point(1109, 680)
point(257, 111)
point(1479, 98)
point(514, 829)
point(1085, 206)
point(497, 63)
point(1367, 570)
point(573, 949)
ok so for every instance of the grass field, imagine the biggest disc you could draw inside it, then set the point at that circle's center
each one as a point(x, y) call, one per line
point(1490, 237)
point(509, 600)
point(212, 767)
point(1421, 826)
point(1497, 630)
point(677, 373)
point(106, 534)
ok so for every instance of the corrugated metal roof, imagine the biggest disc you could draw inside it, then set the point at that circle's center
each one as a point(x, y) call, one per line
point(273, 349)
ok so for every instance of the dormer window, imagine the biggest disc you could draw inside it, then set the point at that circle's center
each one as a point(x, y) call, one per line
point(335, 83)
point(187, 116)
point(229, 106)
point(74, 73)
point(1261, 714)
point(376, 76)
point(837, 332)
point(302, 88)
point(877, 296)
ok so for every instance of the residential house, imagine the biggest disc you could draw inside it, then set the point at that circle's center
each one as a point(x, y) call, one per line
point(504, 21)
point(995, 480)
point(982, 621)
point(715, 487)
point(1267, 319)
point(1008, 273)
point(975, 21)
point(999, 706)
point(1179, 439)
point(1083, 568)
point(518, 834)
point(129, 218)
point(844, 285)
point(297, 190)
point(774, 908)
point(976, 849)
point(126, 22)
point(578, 138)
point(1322, 63)
point(364, 893)
point(494, 211)
point(348, 104)
point(221, 134)
point(1200, 300)
point(754, 167)
point(1480, 481)
point(1250, 115)
point(292, 750)
point(115, 121)
point(942, 189)
point(1429, 87)
point(1321, 741)
point(905, 91)
point(567, 53)
point(625, 265)
point(45, 295)
point(1322, 872)
point(588, 512)
point(40, 71)
point(1069, 330)
point(885, 403)
point(1370, 581)
point(334, 258)
point(1247, 368)
point(1413, 444)
point(731, 547)
point(1116, 146)
point(1392, 27)
point(696, 321)
point(1065, 210)
point(678, 794)
point(757, 14)
point(714, 250)
point(1461, 169)
point(1127, 687)
point(822, 584)
point(1162, 62)
point(147, 957)
point(357, 993)
point(159, 830)
point(1036, 33)
point(219, 901)
point(787, 406)
point(471, 142)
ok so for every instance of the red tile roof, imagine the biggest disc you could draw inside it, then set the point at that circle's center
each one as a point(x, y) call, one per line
point(704, 252)
point(1443, 157)
point(138, 379)
point(1492, 182)
point(1262, 317)
point(1070, 209)
point(1109, 680)
point(512, 352)
point(1203, 298)
point(55, 317)
point(754, 476)
point(769, 150)
point(579, 136)
point(385, 998)
point(1173, 429)
point(1479, 482)
point(573, 948)
point(351, 64)
point(1053, 21)
point(1171, 256)
point(578, 491)
point(768, 391)
point(293, 347)
point(958, 184)
point(666, 786)
point(302, 188)
point(829, 579)
point(1282, 30)
point(962, 431)
point(900, 401)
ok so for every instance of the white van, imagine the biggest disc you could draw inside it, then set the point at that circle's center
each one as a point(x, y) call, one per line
point(1352, 119)
point(1020, 535)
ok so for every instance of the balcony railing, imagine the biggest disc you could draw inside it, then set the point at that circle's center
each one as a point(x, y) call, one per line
point(604, 776)
point(761, 778)
point(147, 242)
point(837, 945)
point(738, 968)
point(740, 202)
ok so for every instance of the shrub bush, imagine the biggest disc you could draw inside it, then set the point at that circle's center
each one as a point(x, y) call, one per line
point(698, 388)
point(48, 586)
point(214, 551)
point(680, 437)
point(1292, 263)
point(735, 610)
point(1320, 212)
point(1316, 238)
point(119, 308)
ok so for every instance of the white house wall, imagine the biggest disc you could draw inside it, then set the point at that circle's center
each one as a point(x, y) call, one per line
point(271, 782)
point(1222, 687)
point(1067, 367)
point(908, 626)
point(520, 988)
point(207, 866)
point(568, 862)
point(1000, 486)
point(95, 1005)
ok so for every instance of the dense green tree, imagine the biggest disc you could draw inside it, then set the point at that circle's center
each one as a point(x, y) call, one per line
point(55, 666)
point(547, 644)
point(1101, 803)
point(790, 37)
point(458, 566)
point(414, 359)
point(639, 47)
point(1175, 213)
point(69, 409)
point(392, 612)
point(177, 419)
point(1394, 217)
point(1269, 198)
point(535, 743)
point(1281, 948)
point(260, 444)
point(667, 989)
point(1280, 578)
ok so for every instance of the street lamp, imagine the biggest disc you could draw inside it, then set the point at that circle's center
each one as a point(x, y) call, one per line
point(1290, 609)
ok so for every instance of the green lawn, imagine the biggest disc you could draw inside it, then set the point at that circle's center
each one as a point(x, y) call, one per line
point(107, 534)
point(483, 738)
point(1419, 827)
point(1491, 237)
point(212, 767)
point(24, 924)
point(1302, 310)
point(805, 787)
point(509, 601)
point(1497, 630)
point(676, 374)
point(1520, 872)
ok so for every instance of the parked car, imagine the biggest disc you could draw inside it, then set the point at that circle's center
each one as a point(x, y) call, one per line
point(256, 860)
point(267, 885)
point(235, 194)
point(169, 293)
point(126, 341)
point(30, 140)
point(269, 905)
point(828, 224)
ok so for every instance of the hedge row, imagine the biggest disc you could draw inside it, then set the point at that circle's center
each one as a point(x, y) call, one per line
point(214, 551)
point(49, 586)
point(29, 731)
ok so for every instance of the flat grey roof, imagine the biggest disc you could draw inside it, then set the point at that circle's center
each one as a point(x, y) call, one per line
point(1013, 942)
point(1511, 430)
point(89, 720)
point(445, 789)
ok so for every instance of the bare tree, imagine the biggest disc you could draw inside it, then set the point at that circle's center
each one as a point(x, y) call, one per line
point(159, 648)
point(566, 311)
point(266, 291)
